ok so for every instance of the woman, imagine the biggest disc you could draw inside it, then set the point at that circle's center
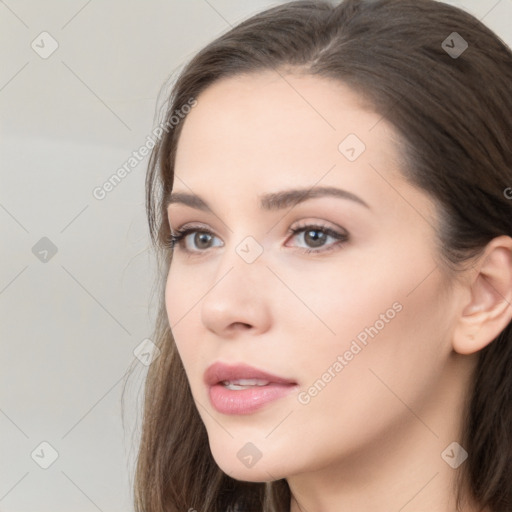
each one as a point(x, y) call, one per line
point(335, 326)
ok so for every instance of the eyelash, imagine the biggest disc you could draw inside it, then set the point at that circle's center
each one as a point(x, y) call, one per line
point(177, 239)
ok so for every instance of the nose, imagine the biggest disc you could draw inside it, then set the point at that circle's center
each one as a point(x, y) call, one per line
point(239, 298)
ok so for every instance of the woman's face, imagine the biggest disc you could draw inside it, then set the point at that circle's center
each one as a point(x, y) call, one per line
point(350, 311)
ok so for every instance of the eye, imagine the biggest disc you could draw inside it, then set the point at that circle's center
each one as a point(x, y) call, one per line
point(315, 237)
point(198, 239)
point(201, 240)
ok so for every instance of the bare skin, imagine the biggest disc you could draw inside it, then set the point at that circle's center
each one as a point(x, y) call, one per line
point(373, 436)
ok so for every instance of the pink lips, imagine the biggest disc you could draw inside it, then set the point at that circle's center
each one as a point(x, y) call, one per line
point(249, 399)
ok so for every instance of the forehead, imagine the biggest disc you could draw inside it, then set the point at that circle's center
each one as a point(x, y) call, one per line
point(257, 134)
point(275, 119)
point(268, 103)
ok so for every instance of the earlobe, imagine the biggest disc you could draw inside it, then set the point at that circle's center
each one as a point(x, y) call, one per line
point(489, 309)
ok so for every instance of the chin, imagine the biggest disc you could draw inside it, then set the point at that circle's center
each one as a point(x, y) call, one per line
point(260, 471)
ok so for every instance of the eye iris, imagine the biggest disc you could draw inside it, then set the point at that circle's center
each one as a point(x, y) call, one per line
point(317, 239)
point(201, 238)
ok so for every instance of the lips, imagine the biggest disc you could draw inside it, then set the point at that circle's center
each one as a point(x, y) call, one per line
point(220, 372)
point(242, 389)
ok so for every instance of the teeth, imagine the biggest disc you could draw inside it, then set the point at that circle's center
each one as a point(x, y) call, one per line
point(236, 385)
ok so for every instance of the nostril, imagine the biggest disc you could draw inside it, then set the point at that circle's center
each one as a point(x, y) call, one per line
point(241, 325)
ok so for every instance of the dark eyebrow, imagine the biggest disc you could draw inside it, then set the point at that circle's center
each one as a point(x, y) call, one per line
point(272, 201)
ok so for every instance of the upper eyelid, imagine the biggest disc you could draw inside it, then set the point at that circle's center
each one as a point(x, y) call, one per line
point(303, 224)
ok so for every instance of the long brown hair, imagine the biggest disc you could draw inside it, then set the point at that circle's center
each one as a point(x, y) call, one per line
point(453, 112)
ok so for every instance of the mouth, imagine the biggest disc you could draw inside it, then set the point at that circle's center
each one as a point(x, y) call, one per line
point(242, 389)
point(237, 385)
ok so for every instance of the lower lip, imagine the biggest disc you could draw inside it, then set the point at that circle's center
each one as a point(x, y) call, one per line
point(246, 401)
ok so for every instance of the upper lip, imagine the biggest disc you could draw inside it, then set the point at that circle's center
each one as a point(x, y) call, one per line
point(220, 372)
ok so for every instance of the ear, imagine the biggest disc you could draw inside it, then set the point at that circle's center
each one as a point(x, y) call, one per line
point(489, 310)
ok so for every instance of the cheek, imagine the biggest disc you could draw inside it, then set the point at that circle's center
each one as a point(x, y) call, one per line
point(180, 298)
point(182, 294)
point(391, 324)
point(334, 302)
point(390, 349)
point(171, 298)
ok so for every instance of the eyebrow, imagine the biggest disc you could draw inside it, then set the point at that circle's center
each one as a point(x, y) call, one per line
point(272, 201)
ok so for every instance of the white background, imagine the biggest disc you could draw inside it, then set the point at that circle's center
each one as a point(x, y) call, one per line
point(69, 326)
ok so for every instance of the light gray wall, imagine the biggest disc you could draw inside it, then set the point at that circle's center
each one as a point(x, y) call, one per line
point(70, 321)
